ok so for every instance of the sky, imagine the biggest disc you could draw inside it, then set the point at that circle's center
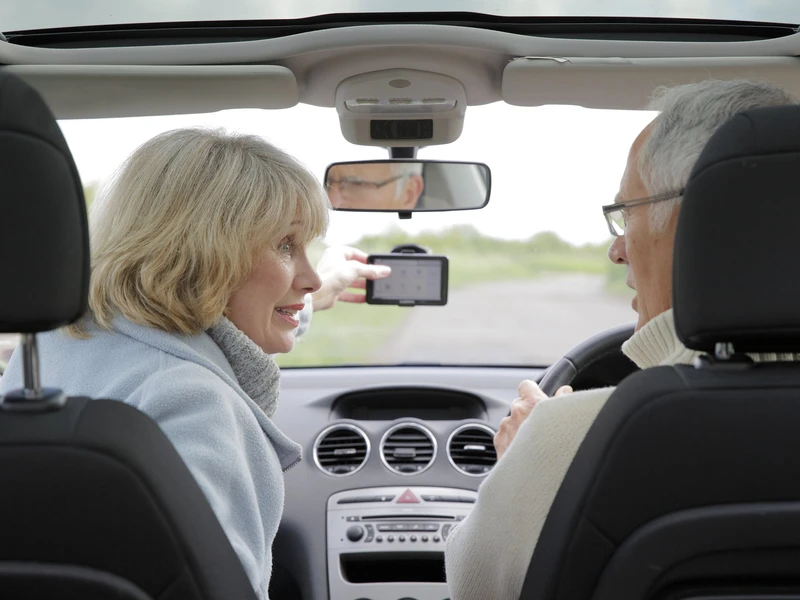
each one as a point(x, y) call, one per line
point(31, 14)
point(552, 167)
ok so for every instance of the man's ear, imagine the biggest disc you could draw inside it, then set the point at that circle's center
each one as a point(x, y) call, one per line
point(414, 187)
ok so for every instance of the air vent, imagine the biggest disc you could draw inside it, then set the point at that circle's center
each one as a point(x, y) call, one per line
point(408, 449)
point(471, 449)
point(341, 450)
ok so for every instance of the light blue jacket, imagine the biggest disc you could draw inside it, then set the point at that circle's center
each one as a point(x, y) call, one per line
point(186, 385)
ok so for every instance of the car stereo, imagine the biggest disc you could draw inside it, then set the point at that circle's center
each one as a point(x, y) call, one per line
point(388, 543)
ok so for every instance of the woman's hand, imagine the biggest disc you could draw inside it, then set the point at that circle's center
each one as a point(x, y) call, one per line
point(340, 268)
point(529, 396)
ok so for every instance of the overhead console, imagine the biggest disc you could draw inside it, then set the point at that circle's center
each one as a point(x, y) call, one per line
point(628, 83)
point(388, 543)
point(401, 107)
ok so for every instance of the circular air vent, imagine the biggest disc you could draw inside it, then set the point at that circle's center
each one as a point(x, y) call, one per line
point(408, 449)
point(471, 449)
point(341, 450)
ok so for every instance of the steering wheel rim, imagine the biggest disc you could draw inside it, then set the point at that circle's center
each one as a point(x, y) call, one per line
point(582, 356)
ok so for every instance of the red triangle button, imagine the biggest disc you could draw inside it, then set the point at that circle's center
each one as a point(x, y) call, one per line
point(408, 497)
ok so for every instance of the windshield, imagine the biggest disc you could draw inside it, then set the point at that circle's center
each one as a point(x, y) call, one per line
point(46, 14)
point(529, 274)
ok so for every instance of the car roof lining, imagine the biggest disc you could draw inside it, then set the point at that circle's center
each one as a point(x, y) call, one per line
point(319, 60)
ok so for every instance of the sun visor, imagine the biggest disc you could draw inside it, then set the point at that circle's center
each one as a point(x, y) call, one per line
point(628, 83)
point(401, 107)
point(98, 91)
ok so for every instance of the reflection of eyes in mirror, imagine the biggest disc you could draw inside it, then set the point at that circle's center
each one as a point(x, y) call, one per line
point(407, 185)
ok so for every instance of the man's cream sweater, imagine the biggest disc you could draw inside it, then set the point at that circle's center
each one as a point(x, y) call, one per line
point(487, 555)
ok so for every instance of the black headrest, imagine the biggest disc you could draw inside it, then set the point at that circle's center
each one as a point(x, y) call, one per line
point(736, 273)
point(44, 238)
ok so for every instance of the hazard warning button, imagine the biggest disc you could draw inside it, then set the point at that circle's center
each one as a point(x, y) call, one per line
point(408, 497)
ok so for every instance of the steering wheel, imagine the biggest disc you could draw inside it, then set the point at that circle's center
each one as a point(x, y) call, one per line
point(583, 356)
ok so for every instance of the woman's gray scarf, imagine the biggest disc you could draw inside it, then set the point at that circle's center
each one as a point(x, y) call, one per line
point(255, 370)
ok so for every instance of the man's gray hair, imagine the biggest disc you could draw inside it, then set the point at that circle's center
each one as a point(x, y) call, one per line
point(689, 115)
point(405, 168)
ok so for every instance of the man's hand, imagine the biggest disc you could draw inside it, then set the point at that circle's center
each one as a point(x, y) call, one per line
point(529, 396)
point(340, 268)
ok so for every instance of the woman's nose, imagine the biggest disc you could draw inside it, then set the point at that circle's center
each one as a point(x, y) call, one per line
point(307, 278)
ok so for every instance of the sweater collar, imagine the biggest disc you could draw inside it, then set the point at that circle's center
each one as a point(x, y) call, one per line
point(255, 370)
point(657, 344)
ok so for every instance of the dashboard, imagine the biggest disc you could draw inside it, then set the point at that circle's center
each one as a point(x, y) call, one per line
point(393, 457)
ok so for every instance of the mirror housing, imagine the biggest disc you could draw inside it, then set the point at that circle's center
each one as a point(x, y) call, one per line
point(407, 186)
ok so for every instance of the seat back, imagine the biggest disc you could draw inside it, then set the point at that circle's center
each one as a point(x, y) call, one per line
point(688, 483)
point(94, 500)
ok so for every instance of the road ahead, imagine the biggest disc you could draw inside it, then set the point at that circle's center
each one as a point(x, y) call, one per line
point(512, 323)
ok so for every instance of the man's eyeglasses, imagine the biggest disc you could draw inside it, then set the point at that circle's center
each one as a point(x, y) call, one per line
point(352, 187)
point(615, 213)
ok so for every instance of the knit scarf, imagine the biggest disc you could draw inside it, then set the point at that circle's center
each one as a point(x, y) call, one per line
point(255, 370)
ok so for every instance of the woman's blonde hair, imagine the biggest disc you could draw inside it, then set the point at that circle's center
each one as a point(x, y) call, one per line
point(183, 222)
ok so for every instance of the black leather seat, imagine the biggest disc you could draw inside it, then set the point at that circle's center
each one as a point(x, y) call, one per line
point(688, 483)
point(94, 500)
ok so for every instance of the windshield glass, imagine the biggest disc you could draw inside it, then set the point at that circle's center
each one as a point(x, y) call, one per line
point(46, 14)
point(529, 274)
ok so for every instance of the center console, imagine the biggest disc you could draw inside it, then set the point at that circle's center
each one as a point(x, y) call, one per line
point(387, 543)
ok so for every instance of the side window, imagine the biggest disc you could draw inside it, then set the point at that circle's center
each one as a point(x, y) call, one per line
point(7, 344)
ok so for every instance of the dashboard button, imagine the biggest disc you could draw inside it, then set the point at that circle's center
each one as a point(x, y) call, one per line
point(431, 527)
point(385, 527)
point(436, 538)
point(358, 499)
point(408, 497)
point(379, 538)
point(353, 519)
point(429, 498)
point(413, 538)
point(384, 498)
point(390, 538)
point(355, 533)
point(446, 530)
point(416, 527)
point(402, 538)
point(400, 527)
point(424, 538)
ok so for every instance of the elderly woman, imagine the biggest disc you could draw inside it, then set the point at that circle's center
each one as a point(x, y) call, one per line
point(199, 272)
point(487, 556)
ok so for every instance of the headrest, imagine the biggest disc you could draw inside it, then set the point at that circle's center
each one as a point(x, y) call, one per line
point(736, 270)
point(44, 238)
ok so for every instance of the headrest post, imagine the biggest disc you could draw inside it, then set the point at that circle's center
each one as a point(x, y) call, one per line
point(723, 351)
point(30, 366)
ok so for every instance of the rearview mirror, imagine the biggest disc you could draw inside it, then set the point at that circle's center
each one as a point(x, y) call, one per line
point(407, 186)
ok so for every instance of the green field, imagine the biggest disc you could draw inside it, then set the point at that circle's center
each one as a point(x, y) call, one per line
point(351, 333)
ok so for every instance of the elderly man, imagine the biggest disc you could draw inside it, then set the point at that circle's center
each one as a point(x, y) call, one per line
point(375, 186)
point(487, 556)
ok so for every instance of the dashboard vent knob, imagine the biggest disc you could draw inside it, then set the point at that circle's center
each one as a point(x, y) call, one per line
point(341, 450)
point(471, 449)
point(408, 449)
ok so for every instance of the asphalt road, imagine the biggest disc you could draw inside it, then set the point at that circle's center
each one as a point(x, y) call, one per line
point(508, 323)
